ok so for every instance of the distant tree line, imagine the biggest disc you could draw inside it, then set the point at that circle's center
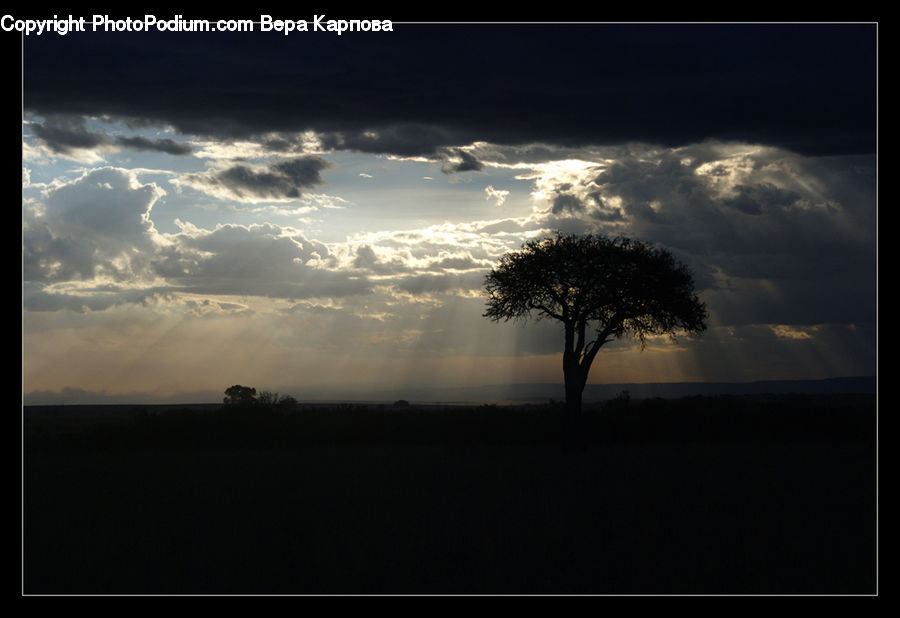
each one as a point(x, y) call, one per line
point(245, 395)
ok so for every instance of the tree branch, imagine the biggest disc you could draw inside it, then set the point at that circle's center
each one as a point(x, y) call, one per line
point(552, 314)
point(591, 352)
point(602, 338)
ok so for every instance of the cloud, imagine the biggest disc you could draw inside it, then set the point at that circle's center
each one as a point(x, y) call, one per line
point(405, 139)
point(498, 195)
point(37, 297)
point(441, 283)
point(167, 146)
point(772, 237)
point(96, 225)
point(68, 135)
point(460, 245)
point(411, 91)
point(566, 203)
point(365, 258)
point(64, 134)
point(458, 160)
point(282, 180)
point(256, 260)
point(86, 234)
point(754, 200)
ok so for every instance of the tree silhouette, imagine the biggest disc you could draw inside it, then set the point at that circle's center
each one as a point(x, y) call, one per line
point(270, 399)
point(241, 395)
point(601, 289)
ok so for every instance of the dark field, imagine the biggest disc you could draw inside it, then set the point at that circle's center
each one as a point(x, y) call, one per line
point(708, 495)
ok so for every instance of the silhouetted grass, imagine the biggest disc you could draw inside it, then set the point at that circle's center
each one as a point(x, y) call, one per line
point(696, 495)
point(722, 418)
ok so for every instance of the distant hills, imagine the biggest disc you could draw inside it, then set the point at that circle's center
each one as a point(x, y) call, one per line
point(522, 393)
point(497, 393)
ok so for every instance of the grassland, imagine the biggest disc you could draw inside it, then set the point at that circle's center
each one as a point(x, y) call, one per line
point(704, 495)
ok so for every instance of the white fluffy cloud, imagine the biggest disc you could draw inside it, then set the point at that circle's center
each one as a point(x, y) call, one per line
point(256, 260)
point(96, 226)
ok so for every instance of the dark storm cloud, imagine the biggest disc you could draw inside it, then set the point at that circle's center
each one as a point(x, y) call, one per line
point(63, 134)
point(285, 179)
point(771, 237)
point(422, 88)
point(753, 200)
point(567, 203)
point(466, 163)
point(167, 146)
point(603, 211)
point(406, 139)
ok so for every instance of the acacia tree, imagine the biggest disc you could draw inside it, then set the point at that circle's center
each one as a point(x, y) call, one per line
point(601, 289)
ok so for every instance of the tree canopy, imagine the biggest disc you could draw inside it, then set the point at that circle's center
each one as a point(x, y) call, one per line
point(240, 395)
point(600, 288)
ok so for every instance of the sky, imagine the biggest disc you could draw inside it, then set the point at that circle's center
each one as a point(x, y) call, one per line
point(314, 213)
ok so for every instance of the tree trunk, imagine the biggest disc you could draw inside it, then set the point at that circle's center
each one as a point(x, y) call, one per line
point(574, 389)
point(573, 423)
